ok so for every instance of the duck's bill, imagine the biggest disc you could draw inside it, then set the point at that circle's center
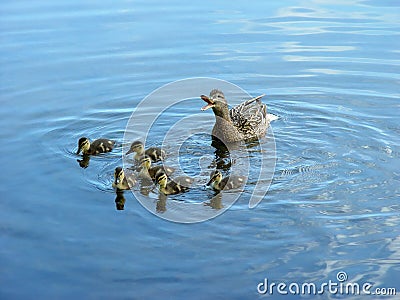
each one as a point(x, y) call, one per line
point(78, 151)
point(129, 152)
point(209, 102)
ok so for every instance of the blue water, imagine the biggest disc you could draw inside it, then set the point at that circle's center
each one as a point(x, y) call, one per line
point(330, 70)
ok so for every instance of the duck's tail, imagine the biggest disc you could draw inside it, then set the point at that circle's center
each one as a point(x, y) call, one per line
point(271, 117)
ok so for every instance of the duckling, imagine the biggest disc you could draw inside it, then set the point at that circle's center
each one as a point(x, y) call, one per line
point(246, 121)
point(122, 181)
point(155, 153)
point(227, 183)
point(175, 186)
point(148, 172)
point(96, 147)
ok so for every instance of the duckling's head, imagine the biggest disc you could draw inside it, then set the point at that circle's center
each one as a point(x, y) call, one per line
point(118, 175)
point(137, 147)
point(216, 101)
point(161, 179)
point(83, 145)
point(216, 177)
point(145, 162)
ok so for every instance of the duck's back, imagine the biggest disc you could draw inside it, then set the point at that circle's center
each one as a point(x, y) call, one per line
point(101, 146)
point(232, 182)
point(250, 118)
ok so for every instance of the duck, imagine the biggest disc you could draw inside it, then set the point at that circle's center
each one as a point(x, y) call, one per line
point(149, 172)
point(177, 185)
point(218, 183)
point(246, 121)
point(96, 147)
point(155, 153)
point(123, 181)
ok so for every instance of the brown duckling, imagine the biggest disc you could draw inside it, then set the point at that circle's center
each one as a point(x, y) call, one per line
point(178, 185)
point(155, 153)
point(149, 172)
point(218, 183)
point(95, 147)
point(123, 181)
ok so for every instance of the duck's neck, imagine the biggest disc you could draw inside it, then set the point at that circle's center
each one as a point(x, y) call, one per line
point(139, 152)
point(87, 149)
point(222, 112)
point(225, 131)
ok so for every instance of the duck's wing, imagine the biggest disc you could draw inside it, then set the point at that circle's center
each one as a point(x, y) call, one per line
point(250, 117)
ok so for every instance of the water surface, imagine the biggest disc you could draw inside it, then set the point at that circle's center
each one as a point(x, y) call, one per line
point(330, 71)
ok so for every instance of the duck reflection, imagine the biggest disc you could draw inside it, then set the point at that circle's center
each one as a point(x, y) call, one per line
point(84, 162)
point(161, 204)
point(215, 202)
point(222, 154)
point(120, 200)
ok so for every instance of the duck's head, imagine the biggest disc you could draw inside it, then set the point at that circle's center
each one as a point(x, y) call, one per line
point(136, 146)
point(161, 179)
point(119, 175)
point(83, 145)
point(216, 101)
point(145, 162)
point(216, 177)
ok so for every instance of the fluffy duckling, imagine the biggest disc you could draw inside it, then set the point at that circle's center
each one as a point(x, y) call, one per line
point(122, 181)
point(149, 172)
point(245, 121)
point(178, 185)
point(155, 153)
point(219, 183)
point(96, 147)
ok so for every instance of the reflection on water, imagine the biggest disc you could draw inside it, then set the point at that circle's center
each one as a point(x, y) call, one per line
point(71, 69)
point(120, 200)
point(215, 202)
point(84, 162)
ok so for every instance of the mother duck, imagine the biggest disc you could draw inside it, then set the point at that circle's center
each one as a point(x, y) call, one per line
point(249, 120)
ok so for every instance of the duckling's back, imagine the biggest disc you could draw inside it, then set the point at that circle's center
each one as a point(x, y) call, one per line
point(101, 146)
point(232, 182)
